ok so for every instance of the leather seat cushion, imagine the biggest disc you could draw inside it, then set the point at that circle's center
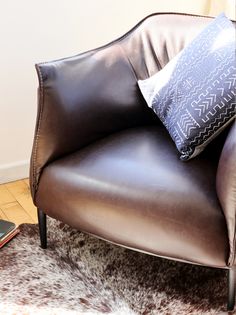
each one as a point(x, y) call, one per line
point(131, 188)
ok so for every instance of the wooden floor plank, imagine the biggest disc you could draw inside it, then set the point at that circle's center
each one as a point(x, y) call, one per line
point(17, 188)
point(16, 204)
point(3, 216)
point(5, 196)
point(21, 192)
point(26, 180)
point(15, 213)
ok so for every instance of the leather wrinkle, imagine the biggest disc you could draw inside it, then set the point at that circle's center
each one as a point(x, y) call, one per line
point(98, 151)
point(116, 108)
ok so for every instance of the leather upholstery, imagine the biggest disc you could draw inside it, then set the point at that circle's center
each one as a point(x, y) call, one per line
point(103, 163)
point(131, 188)
point(226, 187)
point(69, 114)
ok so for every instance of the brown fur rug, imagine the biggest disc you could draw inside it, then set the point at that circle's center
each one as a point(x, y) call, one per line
point(79, 274)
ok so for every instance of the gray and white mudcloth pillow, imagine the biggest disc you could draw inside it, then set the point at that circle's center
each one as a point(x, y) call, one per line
point(194, 95)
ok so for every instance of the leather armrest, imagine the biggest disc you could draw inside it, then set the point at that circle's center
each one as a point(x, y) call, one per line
point(226, 187)
point(81, 99)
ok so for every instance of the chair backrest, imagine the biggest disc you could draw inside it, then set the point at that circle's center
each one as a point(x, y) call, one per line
point(104, 81)
point(158, 38)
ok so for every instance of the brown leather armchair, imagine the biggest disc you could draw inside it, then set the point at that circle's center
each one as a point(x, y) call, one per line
point(104, 164)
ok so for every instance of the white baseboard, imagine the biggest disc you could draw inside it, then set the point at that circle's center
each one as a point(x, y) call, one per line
point(14, 171)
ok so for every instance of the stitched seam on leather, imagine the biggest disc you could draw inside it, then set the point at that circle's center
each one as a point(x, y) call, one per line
point(231, 257)
point(157, 255)
point(35, 181)
point(234, 240)
point(127, 34)
point(232, 250)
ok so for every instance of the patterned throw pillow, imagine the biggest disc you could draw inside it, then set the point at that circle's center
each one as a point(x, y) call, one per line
point(194, 95)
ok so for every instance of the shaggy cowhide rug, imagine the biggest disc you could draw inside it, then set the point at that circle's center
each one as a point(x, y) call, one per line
point(79, 274)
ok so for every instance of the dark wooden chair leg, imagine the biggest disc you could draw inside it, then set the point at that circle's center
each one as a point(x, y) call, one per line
point(231, 288)
point(42, 218)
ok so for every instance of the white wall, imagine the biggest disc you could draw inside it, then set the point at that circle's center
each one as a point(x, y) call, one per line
point(38, 30)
